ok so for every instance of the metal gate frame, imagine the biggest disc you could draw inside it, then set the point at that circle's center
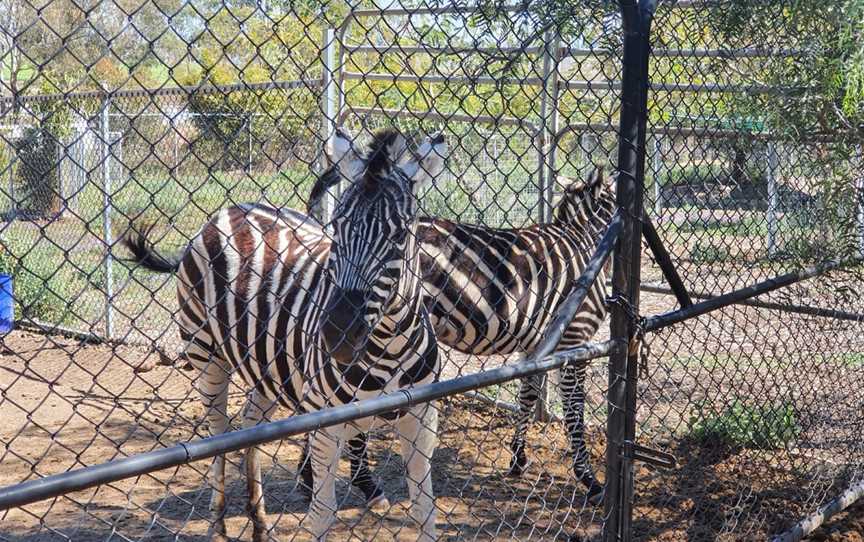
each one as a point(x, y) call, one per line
point(624, 364)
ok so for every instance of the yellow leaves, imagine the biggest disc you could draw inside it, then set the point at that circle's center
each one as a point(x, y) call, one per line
point(109, 73)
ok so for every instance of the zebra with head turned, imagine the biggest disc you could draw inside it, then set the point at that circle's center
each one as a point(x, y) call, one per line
point(494, 291)
point(312, 318)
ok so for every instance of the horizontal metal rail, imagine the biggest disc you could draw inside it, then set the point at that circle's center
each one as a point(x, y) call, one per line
point(680, 131)
point(410, 78)
point(578, 52)
point(165, 91)
point(593, 86)
point(654, 323)
point(80, 479)
point(459, 117)
point(771, 305)
point(420, 49)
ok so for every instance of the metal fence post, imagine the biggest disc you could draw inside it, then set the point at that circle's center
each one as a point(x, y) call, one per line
point(546, 170)
point(329, 106)
point(588, 142)
point(859, 199)
point(106, 217)
point(249, 142)
point(773, 199)
point(621, 395)
point(548, 125)
point(656, 172)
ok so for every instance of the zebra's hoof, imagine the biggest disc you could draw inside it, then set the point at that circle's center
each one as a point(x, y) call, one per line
point(517, 467)
point(595, 494)
point(304, 489)
point(379, 504)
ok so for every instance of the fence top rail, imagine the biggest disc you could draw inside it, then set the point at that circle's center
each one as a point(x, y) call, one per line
point(460, 117)
point(593, 86)
point(163, 91)
point(395, 12)
point(578, 52)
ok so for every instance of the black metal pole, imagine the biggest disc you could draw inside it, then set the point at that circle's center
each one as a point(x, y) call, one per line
point(661, 255)
point(621, 396)
point(660, 321)
point(770, 305)
point(77, 480)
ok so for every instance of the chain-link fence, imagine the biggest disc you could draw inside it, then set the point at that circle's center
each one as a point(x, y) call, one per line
point(127, 130)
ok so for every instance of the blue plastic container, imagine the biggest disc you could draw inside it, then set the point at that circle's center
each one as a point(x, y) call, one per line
point(7, 305)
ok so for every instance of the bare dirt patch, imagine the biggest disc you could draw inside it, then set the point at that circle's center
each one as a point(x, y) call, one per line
point(65, 404)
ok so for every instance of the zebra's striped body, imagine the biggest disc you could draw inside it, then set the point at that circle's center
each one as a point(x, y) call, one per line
point(494, 291)
point(311, 320)
point(251, 274)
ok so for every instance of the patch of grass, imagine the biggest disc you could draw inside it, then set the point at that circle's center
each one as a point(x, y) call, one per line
point(850, 359)
point(709, 253)
point(747, 426)
point(43, 288)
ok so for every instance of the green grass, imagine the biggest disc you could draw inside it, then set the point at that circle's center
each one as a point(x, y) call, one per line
point(59, 265)
point(709, 252)
point(741, 425)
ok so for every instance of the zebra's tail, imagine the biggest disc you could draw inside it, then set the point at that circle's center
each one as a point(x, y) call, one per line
point(144, 253)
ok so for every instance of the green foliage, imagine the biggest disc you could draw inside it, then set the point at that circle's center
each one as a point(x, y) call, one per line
point(826, 77)
point(36, 177)
point(39, 292)
point(746, 426)
point(708, 252)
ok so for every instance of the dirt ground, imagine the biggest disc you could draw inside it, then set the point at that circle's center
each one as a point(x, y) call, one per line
point(65, 405)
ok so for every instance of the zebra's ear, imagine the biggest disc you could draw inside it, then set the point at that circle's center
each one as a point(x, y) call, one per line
point(595, 178)
point(570, 184)
point(340, 148)
point(427, 162)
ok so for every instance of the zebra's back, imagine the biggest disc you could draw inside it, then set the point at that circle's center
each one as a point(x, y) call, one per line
point(494, 291)
point(248, 285)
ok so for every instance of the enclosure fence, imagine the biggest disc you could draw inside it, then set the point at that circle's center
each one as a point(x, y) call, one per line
point(728, 265)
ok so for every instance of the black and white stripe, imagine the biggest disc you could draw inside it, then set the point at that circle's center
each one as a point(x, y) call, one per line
point(313, 317)
point(494, 291)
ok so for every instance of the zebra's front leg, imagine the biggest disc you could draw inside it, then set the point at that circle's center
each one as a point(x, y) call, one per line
point(257, 408)
point(572, 388)
point(529, 394)
point(418, 434)
point(325, 446)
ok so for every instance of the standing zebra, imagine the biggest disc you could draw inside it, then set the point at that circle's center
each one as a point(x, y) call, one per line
point(494, 291)
point(311, 320)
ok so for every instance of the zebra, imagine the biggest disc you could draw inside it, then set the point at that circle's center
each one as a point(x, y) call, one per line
point(313, 317)
point(494, 291)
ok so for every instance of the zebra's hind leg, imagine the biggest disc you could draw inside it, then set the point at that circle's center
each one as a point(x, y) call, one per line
point(418, 434)
point(573, 398)
point(257, 408)
point(362, 477)
point(529, 393)
point(212, 384)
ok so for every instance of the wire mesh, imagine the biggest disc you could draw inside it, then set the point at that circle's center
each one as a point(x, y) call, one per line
point(742, 186)
point(114, 116)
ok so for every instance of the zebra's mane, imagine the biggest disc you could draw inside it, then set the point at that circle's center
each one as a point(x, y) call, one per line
point(386, 148)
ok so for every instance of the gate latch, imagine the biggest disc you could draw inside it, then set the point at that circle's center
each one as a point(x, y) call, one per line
point(636, 452)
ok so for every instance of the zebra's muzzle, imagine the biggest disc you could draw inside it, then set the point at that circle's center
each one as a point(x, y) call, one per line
point(344, 328)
